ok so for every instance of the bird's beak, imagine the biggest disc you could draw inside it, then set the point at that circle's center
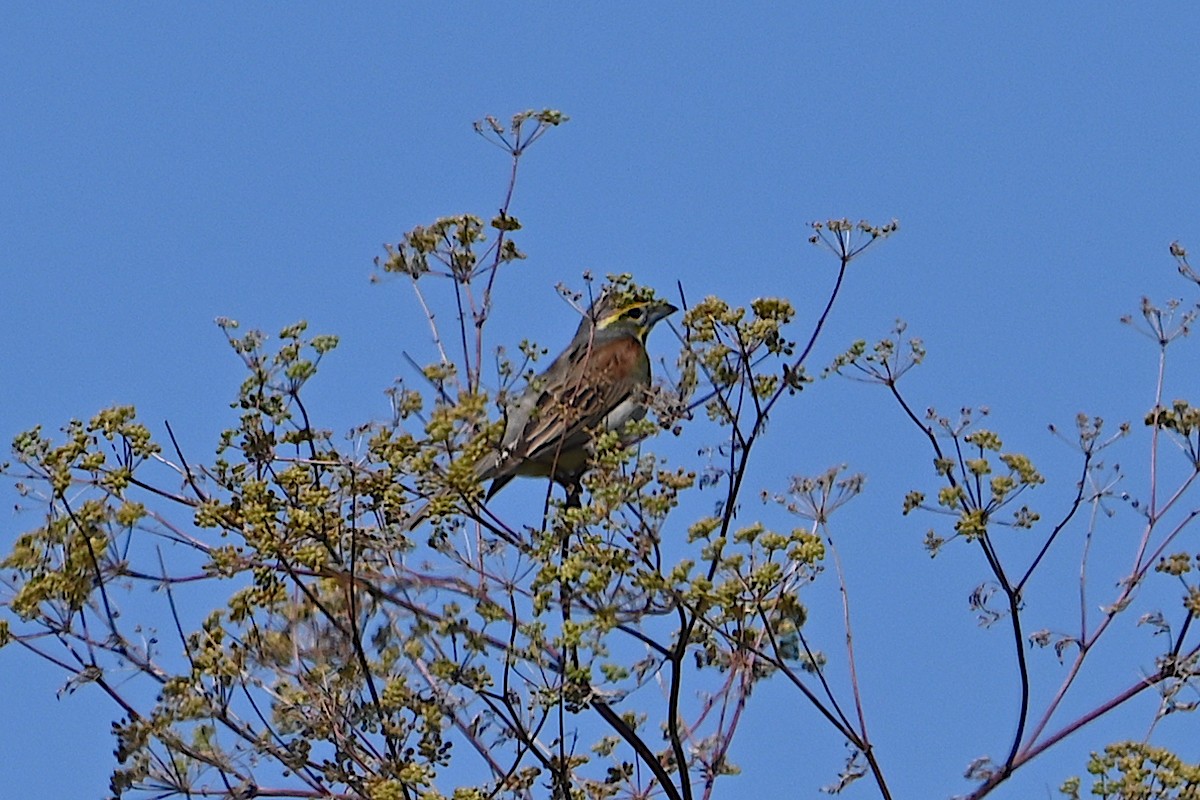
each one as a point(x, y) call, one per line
point(661, 310)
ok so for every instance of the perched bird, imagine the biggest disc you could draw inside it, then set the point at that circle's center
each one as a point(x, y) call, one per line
point(597, 384)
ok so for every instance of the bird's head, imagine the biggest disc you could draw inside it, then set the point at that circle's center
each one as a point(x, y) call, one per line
point(631, 313)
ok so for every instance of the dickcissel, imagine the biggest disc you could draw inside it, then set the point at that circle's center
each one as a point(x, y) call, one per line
point(596, 385)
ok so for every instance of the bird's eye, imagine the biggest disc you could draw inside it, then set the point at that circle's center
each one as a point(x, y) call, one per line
point(637, 314)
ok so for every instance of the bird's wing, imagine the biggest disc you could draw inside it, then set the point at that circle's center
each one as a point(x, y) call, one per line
point(569, 408)
point(516, 413)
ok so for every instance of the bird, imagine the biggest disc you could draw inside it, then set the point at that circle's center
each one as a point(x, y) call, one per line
point(596, 385)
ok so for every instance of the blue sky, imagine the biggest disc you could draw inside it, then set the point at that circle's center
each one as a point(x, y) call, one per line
point(162, 166)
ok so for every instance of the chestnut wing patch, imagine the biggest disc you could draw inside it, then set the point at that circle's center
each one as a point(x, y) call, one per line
point(571, 410)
